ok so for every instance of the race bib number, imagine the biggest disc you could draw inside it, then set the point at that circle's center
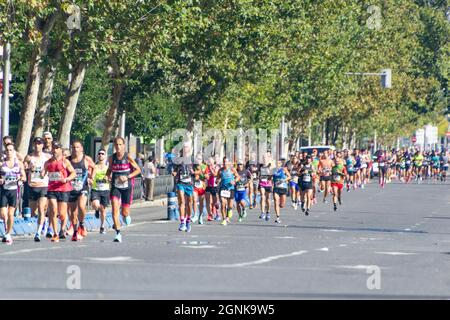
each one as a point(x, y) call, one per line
point(102, 185)
point(408, 162)
point(281, 185)
point(225, 193)
point(337, 177)
point(120, 185)
point(307, 178)
point(381, 164)
point(10, 182)
point(198, 184)
point(295, 179)
point(77, 184)
point(364, 165)
point(264, 180)
point(54, 176)
point(240, 188)
point(254, 176)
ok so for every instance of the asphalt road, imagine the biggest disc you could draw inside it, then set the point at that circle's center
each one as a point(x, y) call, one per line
point(391, 243)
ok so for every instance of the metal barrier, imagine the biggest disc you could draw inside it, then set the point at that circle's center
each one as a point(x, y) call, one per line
point(163, 185)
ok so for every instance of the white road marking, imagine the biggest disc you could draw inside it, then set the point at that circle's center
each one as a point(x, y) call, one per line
point(28, 251)
point(397, 253)
point(200, 247)
point(284, 237)
point(113, 259)
point(408, 229)
point(354, 267)
point(323, 249)
point(342, 245)
point(264, 260)
point(332, 230)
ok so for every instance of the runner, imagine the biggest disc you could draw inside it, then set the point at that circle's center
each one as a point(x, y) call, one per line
point(252, 166)
point(60, 174)
point(85, 171)
point(183, 172)
point(34, 163)
point(435, 161)
point(9, 140)
point(294, 170)
point(315, 163)
point(281, 176)
point(100, 189)
point(211, 190)
point(228, 177)
point(306, 178)
point(122, 183)
point(241, 190)
point(350, 163)
point(365, 159)
point(48, 140)
point(200, 170)
point(444, 161)
point(324, 170)
point(338, 175)
point(382, 168)
point(12, 174)
point(265, 186)
point(418, 161)
point(408, 160)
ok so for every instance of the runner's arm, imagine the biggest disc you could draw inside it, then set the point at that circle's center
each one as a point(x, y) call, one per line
point(23, 176)
point(70, 168)
point(137, 169)
point(109, 171)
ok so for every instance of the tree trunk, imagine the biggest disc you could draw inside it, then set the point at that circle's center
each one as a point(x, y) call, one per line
point(70, 102)
point(111, 118)
point(32, 88)
point(42, 119)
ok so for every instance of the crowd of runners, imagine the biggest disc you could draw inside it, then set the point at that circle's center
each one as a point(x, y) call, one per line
point(58, 183)
point(220, 185)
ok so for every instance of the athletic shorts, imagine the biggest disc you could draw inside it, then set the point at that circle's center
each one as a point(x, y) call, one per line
point(36, 193)
point(8, 198)
point(200, 192)
point(268, 189)
point(125, 195)
point(75, 195)
point(436, 167)
point(384, 169)
point(327, 178)
point(232, 193)
point(102, 196)
point(351, 173)
point(293, 184)
point(445, 168)
point(280, 191)
point(240, 195)
point(306, 186)
point(212, 190)
point(340, 186)
point(58, 195)
point(186, 188)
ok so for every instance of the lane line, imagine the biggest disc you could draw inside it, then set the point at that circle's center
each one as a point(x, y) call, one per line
point(264, 260)
point(9, 253)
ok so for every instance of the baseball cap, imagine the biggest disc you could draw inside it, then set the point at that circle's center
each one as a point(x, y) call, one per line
point(38, 140)
point(56, 144)
point(48, 133)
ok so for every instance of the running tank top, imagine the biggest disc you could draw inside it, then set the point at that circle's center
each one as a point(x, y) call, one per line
point(226, 177)
point(212, 180)
point(37, 163)
point(10, 175)
point(56, 171)
point(265, 173)
point(119, 168)
point(336, 174)
point(240, 185)
point(101, 182)
point(80, 181)
point(279, 178)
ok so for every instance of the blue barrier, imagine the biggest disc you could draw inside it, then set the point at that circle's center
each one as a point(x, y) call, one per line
point(173, 212)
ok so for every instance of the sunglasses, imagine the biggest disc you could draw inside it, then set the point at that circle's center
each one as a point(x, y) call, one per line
point(101, 154)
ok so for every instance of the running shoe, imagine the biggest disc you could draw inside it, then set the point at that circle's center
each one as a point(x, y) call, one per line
point(55, 238)
point(224, 222)
point(4, 239)
point(240, 218)
point(251, 206)
point(230, 214)
point(278, 220)
point(70, 230)
point(307, 212)
point(267, 216)
point(335, 207)
point(76, 237)
point(49, 233)
point(295, 206)
point(82, 231)
point(194, 217)
point(262, 216)
point(118, 238)
point(127, 220)
point(62, 235)
point(200, 220)
point(188, 227)
point(340, 202)
point(37, 237)
point(244, 213)
point(217, 218)
point(182, 227)
point(210, 217)
point(102, 230)
point(8, 239)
